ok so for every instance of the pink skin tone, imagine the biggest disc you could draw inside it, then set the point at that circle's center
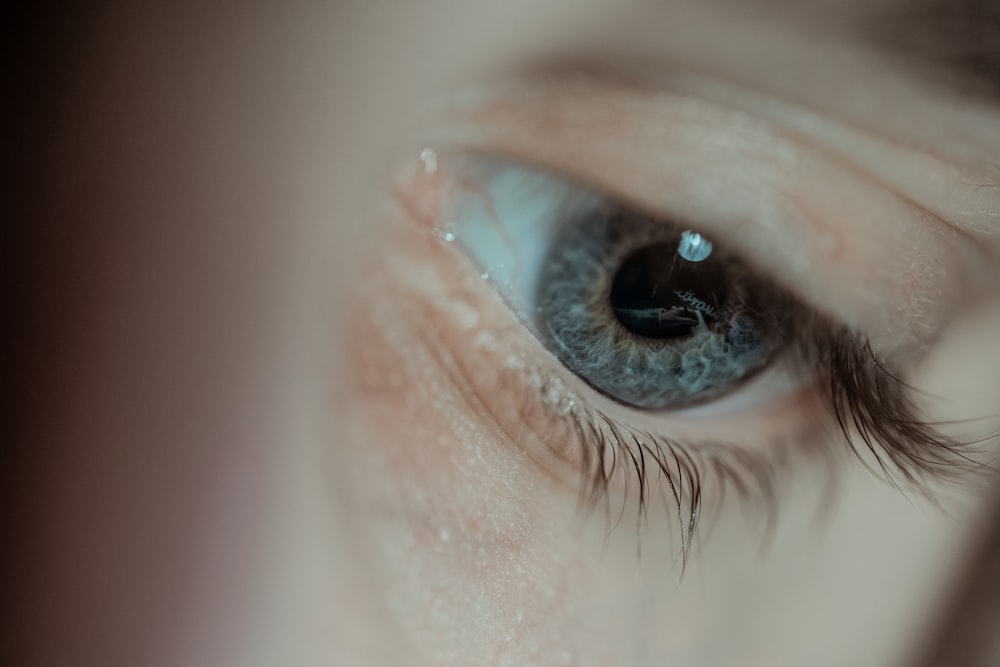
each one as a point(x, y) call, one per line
point(290, 425)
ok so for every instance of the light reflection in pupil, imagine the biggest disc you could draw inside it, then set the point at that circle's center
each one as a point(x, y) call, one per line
point(657, 293)
point(694, 247)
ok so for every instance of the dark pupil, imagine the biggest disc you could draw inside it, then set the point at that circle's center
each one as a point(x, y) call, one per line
point(658, 294)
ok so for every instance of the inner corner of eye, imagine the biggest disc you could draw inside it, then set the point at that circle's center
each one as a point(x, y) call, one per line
point(650, 313)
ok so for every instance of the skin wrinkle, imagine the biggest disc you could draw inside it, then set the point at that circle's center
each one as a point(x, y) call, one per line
point(407, 522)
point(443, 310)
point(841, 76)
point(481, 547)
point(939, 183)
point(531, 417)
point(530, 374)
point(632, 418)
point(689, 639)
point(752, 591)
point(929, 178)
point(875, 548)
point(520, 427)
point(920, 278)
point(497, 653)
point(914, 274)
point(778, 199)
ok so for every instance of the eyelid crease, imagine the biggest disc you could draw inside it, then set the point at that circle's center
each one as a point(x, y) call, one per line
point(598, 456)
point(866, 406)
point(861, 253)
point(964, 195)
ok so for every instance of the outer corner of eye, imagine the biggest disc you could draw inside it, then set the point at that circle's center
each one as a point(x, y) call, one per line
point(650, 313)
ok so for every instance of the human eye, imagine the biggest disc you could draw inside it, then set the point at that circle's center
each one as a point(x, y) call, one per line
point(662, 343)
point(650, 314)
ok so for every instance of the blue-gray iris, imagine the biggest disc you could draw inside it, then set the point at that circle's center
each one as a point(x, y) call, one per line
point(624, 309)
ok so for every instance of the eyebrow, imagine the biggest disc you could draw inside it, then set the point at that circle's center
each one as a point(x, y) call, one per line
point(951, 44)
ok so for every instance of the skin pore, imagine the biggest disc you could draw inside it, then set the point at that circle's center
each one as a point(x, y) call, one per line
point(294, 426)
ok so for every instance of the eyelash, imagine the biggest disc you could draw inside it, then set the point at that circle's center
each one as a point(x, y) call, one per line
point(869, 406)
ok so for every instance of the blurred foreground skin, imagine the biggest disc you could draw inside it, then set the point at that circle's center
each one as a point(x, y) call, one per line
point(215, 469)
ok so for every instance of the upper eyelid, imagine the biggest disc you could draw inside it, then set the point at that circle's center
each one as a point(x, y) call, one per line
point(805, 218)
point(740, 437)
point(962, 194)
point(509, 217)
point(436, 191)
point(762, 438)
point(534, 381)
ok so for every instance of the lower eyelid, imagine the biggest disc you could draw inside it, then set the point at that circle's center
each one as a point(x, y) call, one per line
point(533, 398)
point(433, 301)
point(774, 386)
point(507, 382)
point(535, 193)
point(496, 377)
point(544, 415)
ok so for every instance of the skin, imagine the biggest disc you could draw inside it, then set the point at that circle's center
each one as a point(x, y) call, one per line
point(272, 422)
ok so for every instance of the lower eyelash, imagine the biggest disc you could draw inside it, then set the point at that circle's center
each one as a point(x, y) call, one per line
point(865, 400)
point(684, 470)
point(870, 406)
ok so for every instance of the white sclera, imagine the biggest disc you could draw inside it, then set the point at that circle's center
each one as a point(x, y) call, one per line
point(506, 218)
point(694, 247)
point(506, 222)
